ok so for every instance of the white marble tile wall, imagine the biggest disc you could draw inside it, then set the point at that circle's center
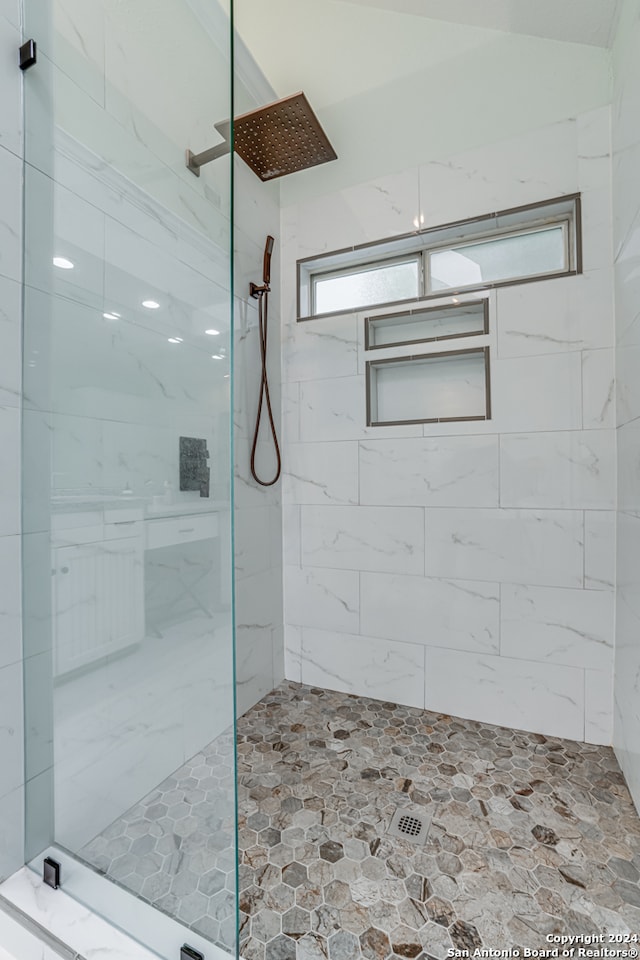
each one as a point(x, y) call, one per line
point(626, 227)
point(11, 722)
point(477, 557)
point(258, 510)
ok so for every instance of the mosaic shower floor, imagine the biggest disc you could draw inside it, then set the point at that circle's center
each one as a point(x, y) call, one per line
point(531, 836)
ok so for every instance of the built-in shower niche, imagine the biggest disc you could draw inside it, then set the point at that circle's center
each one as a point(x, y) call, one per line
point(430, 388)
point(424, 324)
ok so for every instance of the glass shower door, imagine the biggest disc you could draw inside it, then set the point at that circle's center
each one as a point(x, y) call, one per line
point(129, 684)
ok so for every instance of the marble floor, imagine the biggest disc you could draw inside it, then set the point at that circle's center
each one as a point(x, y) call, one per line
point(531, 836)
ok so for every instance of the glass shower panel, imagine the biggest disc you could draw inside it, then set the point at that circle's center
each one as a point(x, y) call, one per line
point(127, 495)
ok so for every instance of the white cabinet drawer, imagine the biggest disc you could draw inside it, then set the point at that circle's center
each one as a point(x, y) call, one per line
point(166, 532)
point(120, 529)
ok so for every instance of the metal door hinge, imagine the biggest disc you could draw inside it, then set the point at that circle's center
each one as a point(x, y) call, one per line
point(51, 873)
point(28, 55)
point(188, 953)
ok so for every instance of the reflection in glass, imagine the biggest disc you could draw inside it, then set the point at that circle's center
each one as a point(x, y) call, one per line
point(127, 589)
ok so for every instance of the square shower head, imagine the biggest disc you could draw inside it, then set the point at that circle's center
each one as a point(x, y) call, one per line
point(280, 138)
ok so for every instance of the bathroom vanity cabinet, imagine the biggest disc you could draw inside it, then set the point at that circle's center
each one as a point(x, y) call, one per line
point(97, 586)
point(98, 573)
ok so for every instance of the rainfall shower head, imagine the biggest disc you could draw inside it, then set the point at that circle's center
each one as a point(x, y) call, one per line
point(275, 140)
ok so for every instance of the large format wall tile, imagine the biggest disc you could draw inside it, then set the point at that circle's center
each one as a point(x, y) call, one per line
point(446, 472)
point(542, 547)
point(10, 83)
point(11, 728)
point(321, 473)
point(563, 315)
point(317, 346)
point(598, 705)
point(10, 215)
point(364, 666)
point(599, 549)
point(562, 469)
point(12, 835)
point(367, 211)
point(628, 437)
point(388, 539)
point(460, 614)
point(328, 599)
point(556, 625)
point(511, 693)
point(598, 389)
point(10, 10)
point(336, 410)
point(528, 168)
point(11, 339)
point(10, 601)
point(9, 471)
point(597, 246)
point(521, 406)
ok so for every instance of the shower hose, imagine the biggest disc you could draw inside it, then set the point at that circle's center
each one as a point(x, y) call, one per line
point(265, 398)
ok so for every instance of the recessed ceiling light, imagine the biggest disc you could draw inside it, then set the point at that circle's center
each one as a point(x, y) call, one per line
point(175, 340)
point(63, 263)
point(216, 356)
point(111, 316)
point(213, 333)
point(150, 304)
point(454, 300)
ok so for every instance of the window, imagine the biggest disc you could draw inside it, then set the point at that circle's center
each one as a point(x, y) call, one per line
point(512, 246)
point(378, 283)
point(532, 254)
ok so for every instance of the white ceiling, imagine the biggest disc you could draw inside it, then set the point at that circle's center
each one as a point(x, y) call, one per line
point(574, 21)
point(396, 83)
point(338, 49)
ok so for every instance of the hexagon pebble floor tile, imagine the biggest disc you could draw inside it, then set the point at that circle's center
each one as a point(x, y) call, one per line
point(530, 835)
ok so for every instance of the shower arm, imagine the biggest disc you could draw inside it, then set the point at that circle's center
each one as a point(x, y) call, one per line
point(197, 160)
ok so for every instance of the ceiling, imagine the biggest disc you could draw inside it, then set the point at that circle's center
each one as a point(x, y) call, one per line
point(339, 49)
point(398, 83)
point(574, 21)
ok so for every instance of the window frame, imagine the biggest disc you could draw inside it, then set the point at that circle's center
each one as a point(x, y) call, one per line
point(415, 257)
point(539, 227)
point(422, 243)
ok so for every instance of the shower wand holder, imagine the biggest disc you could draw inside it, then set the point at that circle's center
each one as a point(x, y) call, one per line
point(256, 291)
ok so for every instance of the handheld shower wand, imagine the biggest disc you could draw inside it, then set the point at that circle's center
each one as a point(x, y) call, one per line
point(254, 290)
point(261, 294)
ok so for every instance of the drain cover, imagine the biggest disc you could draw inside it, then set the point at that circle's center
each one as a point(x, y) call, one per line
point(410, 825)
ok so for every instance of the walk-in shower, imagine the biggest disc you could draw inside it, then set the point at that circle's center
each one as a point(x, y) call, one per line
point(364, 713)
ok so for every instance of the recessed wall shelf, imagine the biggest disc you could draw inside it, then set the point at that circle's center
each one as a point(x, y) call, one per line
point(426, 324)
point(429, 388)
